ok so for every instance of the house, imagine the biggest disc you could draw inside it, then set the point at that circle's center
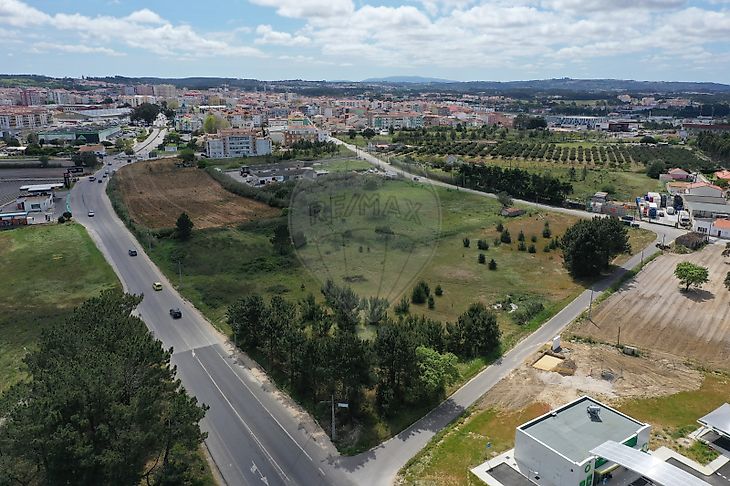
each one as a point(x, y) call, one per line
point(97, 149)
point(704, 189)
point(720, 228)
point(677, 174)
point(511, 212)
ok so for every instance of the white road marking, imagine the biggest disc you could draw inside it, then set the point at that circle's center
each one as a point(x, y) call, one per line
point(264, 406)
point(256, 439)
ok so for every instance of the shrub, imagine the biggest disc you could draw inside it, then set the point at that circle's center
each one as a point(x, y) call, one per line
point(439, 291)
point(431, 303)
point(482, 258)
point(526, 311)
point(466, 242)
point(521, 236)
point(420, 293)
point(546, 249)
point(522, 246)
point(500, 226)
point(531, 249)
point(505, 236)
point(483, 245)
point(403, 307)
point(497, 242)
point(492, 264)
point(546, 233)
point(533, 239)
point(61, 220)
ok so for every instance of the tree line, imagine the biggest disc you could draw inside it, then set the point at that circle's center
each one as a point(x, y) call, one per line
point(516, 182)
point(315, 350)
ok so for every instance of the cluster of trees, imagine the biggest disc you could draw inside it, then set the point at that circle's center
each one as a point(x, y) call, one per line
point(517, 182)
point(315, 348)
point(146, 112)
point(714, 144)
point(590, 245)
point(527, 122)
point(102, 406)
point(307, 149)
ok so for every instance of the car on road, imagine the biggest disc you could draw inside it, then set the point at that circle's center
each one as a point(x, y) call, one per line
point(100, 181)
point(92, 178)
point(105, 175)
point(91, 214)
point(175, 313)
point(415, 179)
point(157, 286)
point(109, 163)
point(132, 252)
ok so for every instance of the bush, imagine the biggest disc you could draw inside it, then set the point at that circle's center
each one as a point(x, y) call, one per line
point(483, 245)
point(431, 303)
point(521, 236)
point(531, 249)
point(466, 242)
point(61, 220)
point(482, 258)
point(492, 264)
point(420, 293)
point(526, 311)
point(500, 226)
point(439, 291)
point(522, 246)
point(546, 233)
point(505, 237)
point(497, 242)
point(546, 249)
point(533, 239)
point(402, 307)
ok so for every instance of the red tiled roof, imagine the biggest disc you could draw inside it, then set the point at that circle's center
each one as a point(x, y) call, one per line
point(722, 224)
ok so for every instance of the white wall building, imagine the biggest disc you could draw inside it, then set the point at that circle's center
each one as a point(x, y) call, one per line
point(237, 143)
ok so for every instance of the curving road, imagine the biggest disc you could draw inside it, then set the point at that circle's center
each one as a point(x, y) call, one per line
point(253, 437)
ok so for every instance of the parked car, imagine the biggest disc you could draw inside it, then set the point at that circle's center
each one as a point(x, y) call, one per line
point(132, 252)
point(91, 214)
point(175, 313)
point(157, 286)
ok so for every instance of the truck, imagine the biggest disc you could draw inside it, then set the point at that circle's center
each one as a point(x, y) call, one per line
point(652, 210)
point(684, 218)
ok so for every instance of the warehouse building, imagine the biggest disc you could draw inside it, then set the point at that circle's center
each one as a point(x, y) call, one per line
point(86, 134)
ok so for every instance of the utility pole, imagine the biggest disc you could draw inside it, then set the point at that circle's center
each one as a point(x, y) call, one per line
point(333, 417)
point(590, 306)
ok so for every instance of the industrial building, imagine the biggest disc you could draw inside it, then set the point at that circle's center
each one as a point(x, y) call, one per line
point(582, 443)
point(86, 134)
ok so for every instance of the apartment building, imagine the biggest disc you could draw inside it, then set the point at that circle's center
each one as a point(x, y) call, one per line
point(20, 117)
point(237, 143)
point(384, 121)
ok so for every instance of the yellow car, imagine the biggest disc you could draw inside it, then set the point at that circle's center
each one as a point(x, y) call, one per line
point(157, 286)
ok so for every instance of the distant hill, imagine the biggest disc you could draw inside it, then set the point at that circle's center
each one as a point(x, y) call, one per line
point(408, 79)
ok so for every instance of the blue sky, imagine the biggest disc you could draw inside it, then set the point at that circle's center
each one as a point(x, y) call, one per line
point(356, 39)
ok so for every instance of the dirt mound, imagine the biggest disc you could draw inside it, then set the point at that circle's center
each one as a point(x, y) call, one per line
point(600, 371)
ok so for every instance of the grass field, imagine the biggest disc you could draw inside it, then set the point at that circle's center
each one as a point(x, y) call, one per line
point(155, 193)
point(446, 460)
point(48, 270)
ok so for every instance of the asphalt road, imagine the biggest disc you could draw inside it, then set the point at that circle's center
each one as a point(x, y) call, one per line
point(252, 436)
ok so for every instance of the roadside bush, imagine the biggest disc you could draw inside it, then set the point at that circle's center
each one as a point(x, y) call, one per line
point(526, 311)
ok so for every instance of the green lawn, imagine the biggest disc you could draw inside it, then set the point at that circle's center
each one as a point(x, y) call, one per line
point(47, 270)
point(446, 460)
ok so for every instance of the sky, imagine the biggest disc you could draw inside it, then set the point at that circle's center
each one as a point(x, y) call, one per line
point(670, 40)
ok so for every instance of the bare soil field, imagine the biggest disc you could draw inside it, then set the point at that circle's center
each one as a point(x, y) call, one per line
point(157, 192)
point(653, 314)
point(598, 370)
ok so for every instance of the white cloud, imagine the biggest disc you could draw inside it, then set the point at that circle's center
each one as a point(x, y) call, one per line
point(267, 35)
point(142, 29)
point(43, 47)
point(308, 8)
point(19, 14)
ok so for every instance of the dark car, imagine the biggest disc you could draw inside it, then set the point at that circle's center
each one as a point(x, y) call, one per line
point(132, 252)
point(175, 313)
